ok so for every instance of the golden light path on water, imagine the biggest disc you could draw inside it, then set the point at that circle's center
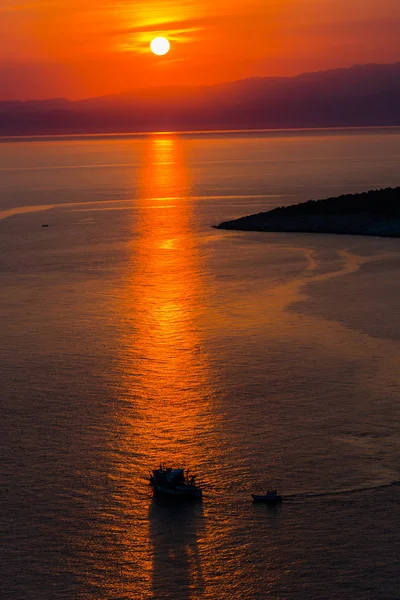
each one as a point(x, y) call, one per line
point(172, 384)
point(165, 378)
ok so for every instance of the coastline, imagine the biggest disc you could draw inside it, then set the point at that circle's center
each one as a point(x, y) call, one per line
point(373, 213)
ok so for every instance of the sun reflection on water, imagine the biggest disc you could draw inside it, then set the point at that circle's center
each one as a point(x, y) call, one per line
point(165, 375)
point(171, 383)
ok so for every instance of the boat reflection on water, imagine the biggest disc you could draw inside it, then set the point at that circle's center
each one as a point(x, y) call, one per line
point(175, 527)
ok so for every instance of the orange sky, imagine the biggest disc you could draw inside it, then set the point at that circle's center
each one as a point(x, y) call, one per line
point(81, 48)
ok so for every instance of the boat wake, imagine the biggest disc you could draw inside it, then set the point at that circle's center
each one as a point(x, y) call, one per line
point(343, 492)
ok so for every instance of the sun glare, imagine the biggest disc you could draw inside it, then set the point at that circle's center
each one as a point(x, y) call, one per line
point(160, 46)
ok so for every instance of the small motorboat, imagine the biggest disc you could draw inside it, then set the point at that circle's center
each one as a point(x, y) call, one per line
point(271, 497)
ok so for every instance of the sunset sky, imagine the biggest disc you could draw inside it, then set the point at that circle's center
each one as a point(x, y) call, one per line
point(82, 48)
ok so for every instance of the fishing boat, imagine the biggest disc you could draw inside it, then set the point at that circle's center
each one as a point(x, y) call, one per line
point(166, 481)
point(271, 497)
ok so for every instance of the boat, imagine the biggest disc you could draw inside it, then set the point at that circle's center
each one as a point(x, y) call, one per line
point(166, 481)
point(271, 497)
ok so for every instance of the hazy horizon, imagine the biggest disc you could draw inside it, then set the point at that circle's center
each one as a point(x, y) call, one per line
point(361, 96)
point(169, 87)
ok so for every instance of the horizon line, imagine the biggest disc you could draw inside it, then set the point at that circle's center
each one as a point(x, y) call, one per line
point(182, 132)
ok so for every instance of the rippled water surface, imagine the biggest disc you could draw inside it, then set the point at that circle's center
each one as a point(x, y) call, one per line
point(134, 333)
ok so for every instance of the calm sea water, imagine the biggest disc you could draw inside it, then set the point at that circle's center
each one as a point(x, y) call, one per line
point(134, 333)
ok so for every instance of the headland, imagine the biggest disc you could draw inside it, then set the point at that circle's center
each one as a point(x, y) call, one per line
point(376, 212)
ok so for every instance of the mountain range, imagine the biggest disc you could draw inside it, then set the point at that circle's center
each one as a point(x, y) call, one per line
point(362, 95)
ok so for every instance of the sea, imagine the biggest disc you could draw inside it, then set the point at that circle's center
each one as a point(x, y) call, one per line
point(133, 333)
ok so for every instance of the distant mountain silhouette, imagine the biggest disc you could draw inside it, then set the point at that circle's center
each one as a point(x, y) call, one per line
point(363, 95)
point(376, 212)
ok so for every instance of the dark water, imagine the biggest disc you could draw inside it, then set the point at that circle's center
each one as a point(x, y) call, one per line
point(132, 332)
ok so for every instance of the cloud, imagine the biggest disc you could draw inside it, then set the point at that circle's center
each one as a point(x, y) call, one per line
point(137, 37)
point(195, 23)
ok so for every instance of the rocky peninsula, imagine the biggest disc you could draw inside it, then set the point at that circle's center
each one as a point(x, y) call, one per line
point(376, 212)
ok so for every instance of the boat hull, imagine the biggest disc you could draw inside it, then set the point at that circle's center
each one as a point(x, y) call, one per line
point(173, 483)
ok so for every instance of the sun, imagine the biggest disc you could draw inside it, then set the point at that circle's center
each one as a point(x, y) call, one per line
point(160, 46)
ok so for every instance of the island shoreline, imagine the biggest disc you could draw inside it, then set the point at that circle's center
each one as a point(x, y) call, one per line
point(373, 213)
